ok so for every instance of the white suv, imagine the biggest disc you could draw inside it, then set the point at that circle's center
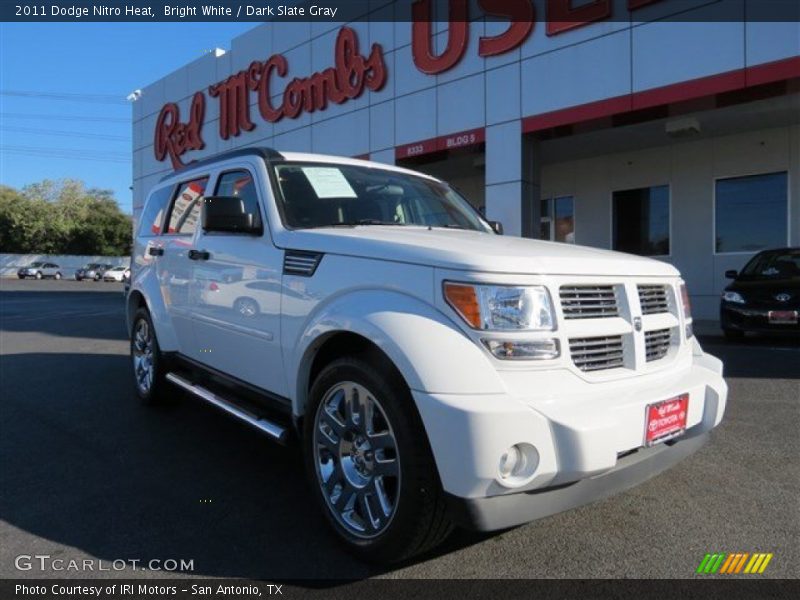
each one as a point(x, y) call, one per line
point(434, 372)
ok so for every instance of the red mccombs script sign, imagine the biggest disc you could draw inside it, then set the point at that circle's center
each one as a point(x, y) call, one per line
point(351, 74)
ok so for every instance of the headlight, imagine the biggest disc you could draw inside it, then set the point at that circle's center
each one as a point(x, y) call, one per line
point(687, 311)
point(500, 307)
point(734, 297)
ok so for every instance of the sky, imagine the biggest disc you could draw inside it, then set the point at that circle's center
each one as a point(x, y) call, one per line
point(62, 79)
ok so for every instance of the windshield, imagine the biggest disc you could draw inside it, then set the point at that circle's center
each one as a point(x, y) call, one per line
point(782, 264)
point(316, 195)
point(93, 266)
point(37, 264)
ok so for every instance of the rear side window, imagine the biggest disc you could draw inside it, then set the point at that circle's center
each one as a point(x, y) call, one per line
point(152, 218)
point(186, 207)
point(240, 184)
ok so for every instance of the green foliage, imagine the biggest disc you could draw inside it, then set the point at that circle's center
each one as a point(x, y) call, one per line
point(62, 217)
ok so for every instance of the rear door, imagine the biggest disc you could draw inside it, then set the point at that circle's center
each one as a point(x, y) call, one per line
point(237, 310)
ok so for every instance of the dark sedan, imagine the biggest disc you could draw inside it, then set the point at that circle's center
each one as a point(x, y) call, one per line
point(765, 296)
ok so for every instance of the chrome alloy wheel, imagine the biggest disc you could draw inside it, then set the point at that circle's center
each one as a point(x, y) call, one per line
point(357, 461)
point(143, 356)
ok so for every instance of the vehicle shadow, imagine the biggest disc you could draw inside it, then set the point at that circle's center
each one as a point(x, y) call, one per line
point(87, 467)
point(757, 357)
point(47, 311)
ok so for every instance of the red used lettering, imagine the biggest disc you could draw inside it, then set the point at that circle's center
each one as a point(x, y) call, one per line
point(561, 16)
point(422, 45)
point(522, 15)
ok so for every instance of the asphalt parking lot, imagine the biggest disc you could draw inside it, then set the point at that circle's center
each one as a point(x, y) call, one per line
point(89, 473)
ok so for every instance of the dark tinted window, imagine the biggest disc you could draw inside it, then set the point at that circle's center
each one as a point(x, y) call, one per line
point(751, 212)
point(782, 264)
point(240, 184)
point(641, 221)
point(185, 212)
point(152, 218)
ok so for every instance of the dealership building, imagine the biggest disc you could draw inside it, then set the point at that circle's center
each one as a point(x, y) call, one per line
point(658, 127)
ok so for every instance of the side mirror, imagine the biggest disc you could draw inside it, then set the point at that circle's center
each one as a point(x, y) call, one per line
point(732, 274)
point(497, 227)
point(229, 214)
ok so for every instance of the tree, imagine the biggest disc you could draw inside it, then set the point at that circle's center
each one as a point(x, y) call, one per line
point(62, 217)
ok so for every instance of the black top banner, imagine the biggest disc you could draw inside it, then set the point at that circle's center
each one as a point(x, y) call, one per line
point(152, 11)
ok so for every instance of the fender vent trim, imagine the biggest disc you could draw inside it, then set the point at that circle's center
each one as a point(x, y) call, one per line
point(299, 262)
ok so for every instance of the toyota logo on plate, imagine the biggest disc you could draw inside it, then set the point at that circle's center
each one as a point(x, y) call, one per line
point(637, 323)
point(783, 297)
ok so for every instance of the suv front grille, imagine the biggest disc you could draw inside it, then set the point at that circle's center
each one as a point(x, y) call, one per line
point(597, 353)
point(653, 299)
point(657, 343)
point(588, 301)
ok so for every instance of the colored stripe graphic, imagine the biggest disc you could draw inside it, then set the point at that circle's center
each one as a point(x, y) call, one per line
point(723, 563)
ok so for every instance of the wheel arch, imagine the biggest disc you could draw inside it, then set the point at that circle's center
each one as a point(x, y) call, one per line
point(428, 351)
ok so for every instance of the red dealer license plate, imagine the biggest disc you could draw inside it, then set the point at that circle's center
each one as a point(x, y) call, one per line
point(785, 317)
point(666, 419)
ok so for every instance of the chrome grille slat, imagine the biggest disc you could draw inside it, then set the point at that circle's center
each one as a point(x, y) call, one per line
point(653, 299)
point(598, 353)
point(657, 344)
point(588, 301)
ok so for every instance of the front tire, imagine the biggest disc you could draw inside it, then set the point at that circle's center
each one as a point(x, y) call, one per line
point(38, 275)
point(57, 276)
point(147, 361)
point(369, 462)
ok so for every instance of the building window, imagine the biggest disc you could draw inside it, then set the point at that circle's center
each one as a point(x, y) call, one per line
point(641, 221)
point(751, 212)
point(558, 220)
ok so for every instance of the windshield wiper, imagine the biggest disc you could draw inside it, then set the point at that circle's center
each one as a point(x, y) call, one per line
point(446, 226)
point(359, 222)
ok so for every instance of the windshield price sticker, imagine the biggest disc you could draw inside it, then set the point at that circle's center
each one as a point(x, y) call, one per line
point(329, 182)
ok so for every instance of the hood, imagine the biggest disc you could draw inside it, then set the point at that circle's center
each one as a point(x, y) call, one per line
point(472, 250)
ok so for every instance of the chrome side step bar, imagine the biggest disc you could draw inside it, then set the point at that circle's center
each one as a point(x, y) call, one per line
point(274, 431)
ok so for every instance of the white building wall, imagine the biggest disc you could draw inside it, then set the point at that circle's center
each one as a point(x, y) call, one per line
point(690, 169)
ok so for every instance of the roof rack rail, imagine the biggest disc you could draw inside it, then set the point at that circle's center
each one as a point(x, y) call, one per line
point(260, 151)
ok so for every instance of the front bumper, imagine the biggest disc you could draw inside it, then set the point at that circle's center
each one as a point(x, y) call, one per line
point(589, 439)
point(502, 512)
point(739, 318)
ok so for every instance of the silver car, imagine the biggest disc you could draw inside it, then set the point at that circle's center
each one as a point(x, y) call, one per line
point(92, 271)
point(39, 270)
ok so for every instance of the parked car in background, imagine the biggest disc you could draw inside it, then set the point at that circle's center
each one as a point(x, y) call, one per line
point(40, 270)
point(765, 296)
point(115, 274)
point(93, 271)
point(434, 372)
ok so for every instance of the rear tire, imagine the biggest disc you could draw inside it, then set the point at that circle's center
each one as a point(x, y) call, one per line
point(148, 364)
point(57, 276)
point(371, 467)
point(38, 275)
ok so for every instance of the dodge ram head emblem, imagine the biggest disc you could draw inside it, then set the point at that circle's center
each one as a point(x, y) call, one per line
point(783, 297)
point(637, 323)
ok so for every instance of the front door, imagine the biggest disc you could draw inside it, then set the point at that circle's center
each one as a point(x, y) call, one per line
point(236, 310)
point(175, 269)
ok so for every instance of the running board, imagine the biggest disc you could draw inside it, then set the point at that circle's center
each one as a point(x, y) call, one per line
point(274, 431)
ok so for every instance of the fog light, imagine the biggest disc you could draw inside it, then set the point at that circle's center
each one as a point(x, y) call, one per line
point(509, 461)
point(523, 349)
point(518, 465)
